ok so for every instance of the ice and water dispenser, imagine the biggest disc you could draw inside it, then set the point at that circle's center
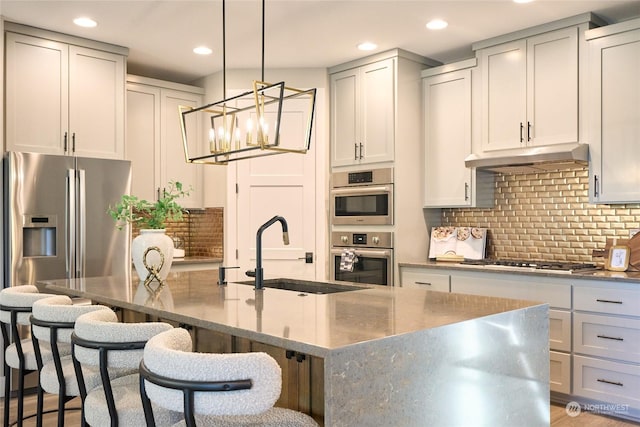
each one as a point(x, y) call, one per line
point(39, 236)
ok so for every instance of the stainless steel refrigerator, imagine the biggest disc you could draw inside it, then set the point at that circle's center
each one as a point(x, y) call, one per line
point(56, 224)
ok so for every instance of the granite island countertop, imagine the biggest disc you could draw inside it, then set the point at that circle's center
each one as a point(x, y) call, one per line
point(310, 323)
point(388, 355)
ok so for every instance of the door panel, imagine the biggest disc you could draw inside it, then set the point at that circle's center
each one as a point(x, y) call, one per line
point(279, 185)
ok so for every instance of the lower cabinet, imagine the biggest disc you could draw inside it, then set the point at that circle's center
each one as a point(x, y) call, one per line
point(416, 277)
point(560, 372)
point(302, 377)
point(606, 345)
point(302, 374)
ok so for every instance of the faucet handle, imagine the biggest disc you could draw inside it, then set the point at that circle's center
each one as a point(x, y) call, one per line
point(250, 273)
point(221, 275)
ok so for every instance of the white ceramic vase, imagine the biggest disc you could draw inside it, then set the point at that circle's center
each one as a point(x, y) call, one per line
point(150, 238)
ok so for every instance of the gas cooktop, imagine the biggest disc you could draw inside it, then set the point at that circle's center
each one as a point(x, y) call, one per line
point(556, 266)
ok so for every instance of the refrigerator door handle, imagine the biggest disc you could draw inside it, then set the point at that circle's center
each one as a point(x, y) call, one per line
point(82, 223)
point(70, 219)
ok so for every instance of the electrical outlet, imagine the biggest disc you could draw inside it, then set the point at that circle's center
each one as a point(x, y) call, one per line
point(633, 232)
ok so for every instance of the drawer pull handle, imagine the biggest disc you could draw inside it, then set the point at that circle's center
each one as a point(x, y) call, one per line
point(610, 338)
point(609, 301)
point(610, 382)
point(423, 283)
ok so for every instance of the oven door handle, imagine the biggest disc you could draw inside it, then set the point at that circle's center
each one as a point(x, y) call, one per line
point(373, 253)
point(361, 190)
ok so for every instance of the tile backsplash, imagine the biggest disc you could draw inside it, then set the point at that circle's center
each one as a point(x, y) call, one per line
point(546, 216)
point(201, 232)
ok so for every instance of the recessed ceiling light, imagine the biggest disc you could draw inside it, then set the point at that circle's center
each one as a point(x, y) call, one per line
point(202, 50)
point(85, 22)
point(437, 24)
point(367, 46)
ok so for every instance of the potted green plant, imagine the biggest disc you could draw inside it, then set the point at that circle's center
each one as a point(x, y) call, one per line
point(151, 219)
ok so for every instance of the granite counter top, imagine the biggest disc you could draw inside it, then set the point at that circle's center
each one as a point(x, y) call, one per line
point(310, 323)
point(619, 276)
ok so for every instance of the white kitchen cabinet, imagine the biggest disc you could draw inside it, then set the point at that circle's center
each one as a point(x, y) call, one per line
point(416, 277)
point(448, 131)
point(530, 91)
point(154, 139)
point(64, 98)
point(362, 114)
point(606, 336)
point(614, 117)
point(560, 372)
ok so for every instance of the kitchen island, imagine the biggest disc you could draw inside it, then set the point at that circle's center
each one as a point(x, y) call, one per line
point(389, 356)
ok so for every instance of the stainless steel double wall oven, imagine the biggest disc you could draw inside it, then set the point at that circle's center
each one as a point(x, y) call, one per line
point(363, 200)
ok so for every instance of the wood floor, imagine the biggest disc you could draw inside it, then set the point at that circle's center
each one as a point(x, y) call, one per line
point(559, 417)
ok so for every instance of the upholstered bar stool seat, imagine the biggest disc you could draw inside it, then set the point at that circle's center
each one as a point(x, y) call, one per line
point(52, 322)
point(15, 309)
point(100, 341)
point(237, 389)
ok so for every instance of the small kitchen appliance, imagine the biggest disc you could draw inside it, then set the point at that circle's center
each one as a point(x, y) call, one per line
point(362, 197)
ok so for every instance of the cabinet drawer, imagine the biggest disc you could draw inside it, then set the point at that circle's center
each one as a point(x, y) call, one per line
point(607, 300)
point(560, 372)
point(606, 336)
point(418, 278)
point(607, 381)
point(560, 330)
point(557, 294)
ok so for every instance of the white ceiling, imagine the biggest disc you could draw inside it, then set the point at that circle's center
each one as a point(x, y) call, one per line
point(299, 33)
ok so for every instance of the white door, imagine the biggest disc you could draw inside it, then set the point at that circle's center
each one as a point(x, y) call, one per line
point(284, 185)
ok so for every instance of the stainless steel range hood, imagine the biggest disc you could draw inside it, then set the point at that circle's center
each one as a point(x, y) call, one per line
point(533, 159)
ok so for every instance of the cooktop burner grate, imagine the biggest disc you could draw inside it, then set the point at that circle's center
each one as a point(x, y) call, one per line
point(532, 264)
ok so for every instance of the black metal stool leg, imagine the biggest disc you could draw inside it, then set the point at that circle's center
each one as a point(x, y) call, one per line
point(7, 391)
point(21, 375)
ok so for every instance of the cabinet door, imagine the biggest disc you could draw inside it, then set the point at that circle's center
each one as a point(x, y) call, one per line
point(504, 97)
point(36, 102)
point(143, 139)
point(614, 65)
point(174, 167)
point(447, 130)
point(345, 133)
point(552, 88)
point(378, 112)
point(96, 103)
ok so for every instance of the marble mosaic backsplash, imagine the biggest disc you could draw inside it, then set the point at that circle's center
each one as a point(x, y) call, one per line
point(546, 216)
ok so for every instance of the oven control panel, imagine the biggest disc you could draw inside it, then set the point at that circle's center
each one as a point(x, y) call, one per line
point(368, 239)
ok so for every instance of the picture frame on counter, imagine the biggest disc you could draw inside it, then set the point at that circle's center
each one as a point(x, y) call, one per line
point(618, 259)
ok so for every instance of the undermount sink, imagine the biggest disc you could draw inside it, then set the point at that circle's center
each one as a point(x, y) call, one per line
point(306, 287)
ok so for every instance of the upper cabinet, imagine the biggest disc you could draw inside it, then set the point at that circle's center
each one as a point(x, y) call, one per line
point(372, 103)
point(530, 91)
point(63, 95)
point(362, 113)
point(448, 131)
point(614, 113)
point(533, 85)
point(154, 138)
